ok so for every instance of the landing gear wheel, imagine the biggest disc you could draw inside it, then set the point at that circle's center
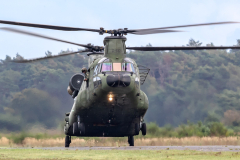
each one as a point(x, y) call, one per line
point(67, 141)
point(137, 128)
point(131, 140)
point(144, 129)
point(75, 129)
point(82, 128)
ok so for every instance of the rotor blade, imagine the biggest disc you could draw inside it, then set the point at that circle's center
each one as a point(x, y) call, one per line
point(44, 58)
point(40, 36)
point(48, 26)
point(191, 25)
point(181, 48)
point(153, 32)
point(95, 53)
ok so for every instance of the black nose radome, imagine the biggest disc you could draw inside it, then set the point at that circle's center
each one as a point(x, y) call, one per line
point(118, 80)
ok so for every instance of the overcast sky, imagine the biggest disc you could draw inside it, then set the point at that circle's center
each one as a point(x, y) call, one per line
point(132, 14)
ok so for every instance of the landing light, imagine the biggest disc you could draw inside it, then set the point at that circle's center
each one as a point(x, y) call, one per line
point(110, 98)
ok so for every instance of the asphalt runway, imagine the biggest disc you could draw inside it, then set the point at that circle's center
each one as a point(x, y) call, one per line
point(196, 148)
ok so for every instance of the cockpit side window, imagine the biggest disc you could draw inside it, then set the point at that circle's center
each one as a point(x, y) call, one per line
point(99, 67)
point(96, 69)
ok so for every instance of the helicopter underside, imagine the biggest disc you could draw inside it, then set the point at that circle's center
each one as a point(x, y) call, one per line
point(109, 124)
point(121, 116)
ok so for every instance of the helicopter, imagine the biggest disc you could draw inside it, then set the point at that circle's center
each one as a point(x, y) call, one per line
point(109, 102)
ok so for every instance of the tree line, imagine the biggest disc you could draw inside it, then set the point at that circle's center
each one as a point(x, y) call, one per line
point(182, 86)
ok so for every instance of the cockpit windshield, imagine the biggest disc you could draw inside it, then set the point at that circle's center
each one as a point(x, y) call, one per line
point(129, 67)
point(106, 67)
point(117, 67)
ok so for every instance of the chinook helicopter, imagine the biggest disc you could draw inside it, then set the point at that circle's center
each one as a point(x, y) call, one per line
point(110, 102)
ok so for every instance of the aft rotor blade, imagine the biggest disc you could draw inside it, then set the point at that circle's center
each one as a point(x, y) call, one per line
point(143, 32)
point(183, 26)
point(181, 48)
point(62, 28)
point(44, 58)
point(40, 36)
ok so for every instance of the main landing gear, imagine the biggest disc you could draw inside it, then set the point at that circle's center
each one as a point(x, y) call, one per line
point(78, 129)
point(137, 128)
point(67, 141)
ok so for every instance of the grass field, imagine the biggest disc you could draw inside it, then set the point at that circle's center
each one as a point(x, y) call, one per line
point(115, 142)
point(38, 154)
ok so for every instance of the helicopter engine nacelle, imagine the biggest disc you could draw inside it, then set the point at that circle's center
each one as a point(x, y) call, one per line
point(75, 83)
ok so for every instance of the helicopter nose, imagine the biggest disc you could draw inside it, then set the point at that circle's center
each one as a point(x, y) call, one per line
point(118, 80)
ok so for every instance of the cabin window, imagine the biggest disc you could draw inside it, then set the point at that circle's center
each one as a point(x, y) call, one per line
point(106, 67)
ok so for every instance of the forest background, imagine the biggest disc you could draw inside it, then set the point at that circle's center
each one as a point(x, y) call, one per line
point(182, 87)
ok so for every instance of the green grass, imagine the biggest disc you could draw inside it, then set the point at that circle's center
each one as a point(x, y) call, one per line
point(115, 154)
point(153, 131)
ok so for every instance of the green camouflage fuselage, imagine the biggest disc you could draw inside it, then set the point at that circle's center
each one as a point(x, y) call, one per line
point(106, 110)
